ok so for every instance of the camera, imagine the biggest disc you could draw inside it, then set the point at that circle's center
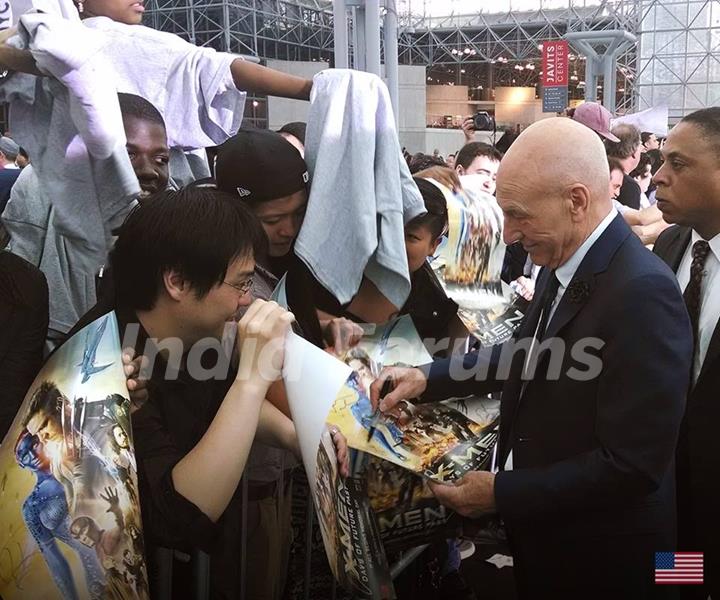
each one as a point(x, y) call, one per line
point(482, 121)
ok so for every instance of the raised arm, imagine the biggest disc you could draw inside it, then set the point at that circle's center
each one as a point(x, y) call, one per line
point(209, 474)
point(14, 59)
point(251, 77)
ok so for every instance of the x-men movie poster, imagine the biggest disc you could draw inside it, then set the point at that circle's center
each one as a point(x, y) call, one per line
point(69, 514)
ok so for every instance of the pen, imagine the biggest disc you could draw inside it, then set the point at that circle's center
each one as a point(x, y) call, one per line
point(386, 389)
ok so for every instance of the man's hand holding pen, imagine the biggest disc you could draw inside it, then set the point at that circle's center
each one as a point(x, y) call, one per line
point(405, 384)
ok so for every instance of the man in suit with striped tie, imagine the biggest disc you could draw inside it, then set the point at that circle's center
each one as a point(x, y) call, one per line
point(593, 388)
point(688, 195)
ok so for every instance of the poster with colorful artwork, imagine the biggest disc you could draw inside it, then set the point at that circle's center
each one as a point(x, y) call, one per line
point(69, 515)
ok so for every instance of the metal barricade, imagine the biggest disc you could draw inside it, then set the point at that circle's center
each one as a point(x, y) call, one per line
point(200, 561)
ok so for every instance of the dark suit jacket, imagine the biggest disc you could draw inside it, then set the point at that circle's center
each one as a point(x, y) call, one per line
point(699, 447)
point(591, 496)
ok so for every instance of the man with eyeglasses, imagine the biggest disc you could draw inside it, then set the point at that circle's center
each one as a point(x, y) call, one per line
point(183, 267)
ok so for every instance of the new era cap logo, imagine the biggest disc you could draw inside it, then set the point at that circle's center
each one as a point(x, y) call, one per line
point(243, 192)
point(306, 177)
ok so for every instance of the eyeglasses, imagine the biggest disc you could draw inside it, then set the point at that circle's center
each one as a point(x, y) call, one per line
point(243, 288)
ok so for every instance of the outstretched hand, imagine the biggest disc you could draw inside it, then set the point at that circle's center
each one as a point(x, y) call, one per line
point(407, 383)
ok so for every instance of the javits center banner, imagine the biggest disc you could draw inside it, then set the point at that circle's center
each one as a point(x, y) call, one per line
point(69, 515)
point(555, 75)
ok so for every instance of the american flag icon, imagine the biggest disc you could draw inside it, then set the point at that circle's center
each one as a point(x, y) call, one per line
point(678, 568)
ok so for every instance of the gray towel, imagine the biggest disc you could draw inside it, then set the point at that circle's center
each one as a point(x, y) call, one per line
point(361, 192)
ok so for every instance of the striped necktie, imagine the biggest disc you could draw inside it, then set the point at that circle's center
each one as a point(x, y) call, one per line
point(693, 291)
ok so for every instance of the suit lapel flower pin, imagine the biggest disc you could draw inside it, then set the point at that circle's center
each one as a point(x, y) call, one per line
point(578, 291)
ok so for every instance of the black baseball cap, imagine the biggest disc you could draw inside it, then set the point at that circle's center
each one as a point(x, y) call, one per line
point(296, 128)
point(259, 166)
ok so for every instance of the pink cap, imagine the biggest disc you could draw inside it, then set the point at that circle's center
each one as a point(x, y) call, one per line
point(596, 117)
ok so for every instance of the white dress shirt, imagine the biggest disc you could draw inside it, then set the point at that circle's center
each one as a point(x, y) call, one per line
point(564, 274)
point(709, 295)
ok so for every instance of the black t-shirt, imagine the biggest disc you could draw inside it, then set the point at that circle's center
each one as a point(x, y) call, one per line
point(428, 305)
point(173, 420)
point(630, 193)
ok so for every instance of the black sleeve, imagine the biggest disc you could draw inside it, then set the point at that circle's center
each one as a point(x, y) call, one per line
point(169, 519)
point(305, 295)
point(24, 324)
point(474, 373)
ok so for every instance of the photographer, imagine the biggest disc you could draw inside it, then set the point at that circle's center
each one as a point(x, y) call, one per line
point(480, 121)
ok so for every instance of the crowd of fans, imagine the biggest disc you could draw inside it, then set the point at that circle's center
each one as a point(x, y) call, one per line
point(197, 252)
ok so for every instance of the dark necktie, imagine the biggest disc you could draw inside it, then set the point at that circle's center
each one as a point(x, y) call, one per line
point(693, 291)
point(548, 298)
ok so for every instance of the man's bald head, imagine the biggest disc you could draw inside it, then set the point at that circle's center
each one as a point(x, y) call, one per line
point(553, 188)
point(558, 152)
